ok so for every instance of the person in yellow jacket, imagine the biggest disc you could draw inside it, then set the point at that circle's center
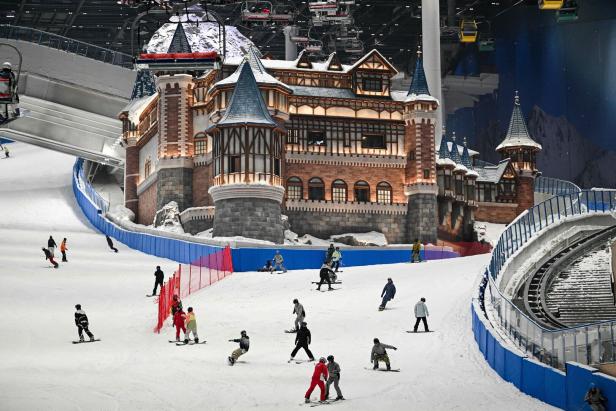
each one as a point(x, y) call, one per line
point(63, 249)
point(191, 326)
point(416, 257)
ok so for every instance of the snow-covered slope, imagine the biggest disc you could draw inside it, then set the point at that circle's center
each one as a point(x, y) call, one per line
point(134, 369)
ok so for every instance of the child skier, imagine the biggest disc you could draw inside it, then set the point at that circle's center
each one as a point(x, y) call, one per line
point(334, 378)
point(63, 249)
point(176, 304)
point(278, 260)
point(179, 320)
point(81, 321)
point(244, 341)
point(318, 376)
point(302, 340)
point(51, 246)
point(49, 257)
point(191, 326)
point(389, 291)
point(380, 354)
point(300, 314)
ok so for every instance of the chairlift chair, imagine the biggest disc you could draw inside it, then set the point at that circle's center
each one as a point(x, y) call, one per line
point(254, 11)
point(569, 12)
point(468, 31)
point(551, 4)
point(314, 46)
point(486, 44)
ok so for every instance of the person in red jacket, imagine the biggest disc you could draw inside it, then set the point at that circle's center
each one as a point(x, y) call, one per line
point(179, 320)
point(320, 371)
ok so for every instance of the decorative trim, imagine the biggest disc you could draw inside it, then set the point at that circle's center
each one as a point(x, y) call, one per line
point(197, 213)
point(346, 207)
point(177, 162)
point(145, 184)
point(229, 191)
point(494, 204)
point(361, 160)
point(202, 160)
point(424, 188)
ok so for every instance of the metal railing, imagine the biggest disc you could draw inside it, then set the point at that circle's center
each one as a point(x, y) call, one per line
point(587, 344)
point(66, 44)
point(555, 186)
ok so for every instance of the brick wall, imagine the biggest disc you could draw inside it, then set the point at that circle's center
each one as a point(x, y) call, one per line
point(323, 224)
point(131, 177)
point(350, 174)
point(525, 188)
point(201, 183)
point(147, 206)
point(496, 212)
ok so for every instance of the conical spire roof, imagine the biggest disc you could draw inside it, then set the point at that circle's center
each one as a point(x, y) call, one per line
point(179, 43)
point(517, 134)
point(246, 105)
point(466, 158)
point(144, 85)
point(454, 154)
point(419, 84)
point(443, 152)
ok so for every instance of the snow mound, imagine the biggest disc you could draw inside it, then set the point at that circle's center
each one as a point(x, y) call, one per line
point(372, 238)
point(209, 234)
point(119, 212)
point(168, 218)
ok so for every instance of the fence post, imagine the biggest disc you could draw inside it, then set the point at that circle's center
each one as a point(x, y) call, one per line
point(189, 279)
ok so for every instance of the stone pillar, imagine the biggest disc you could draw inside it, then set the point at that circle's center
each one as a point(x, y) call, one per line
point(131, 176)
point(175, 182)
point(290, 48)
point(431, 38)
point(422, 216)
point(248, 210)
point(525, 190)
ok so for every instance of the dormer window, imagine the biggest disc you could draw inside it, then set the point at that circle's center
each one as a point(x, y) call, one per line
point(372, 84)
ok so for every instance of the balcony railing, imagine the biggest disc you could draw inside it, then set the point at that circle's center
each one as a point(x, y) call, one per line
point(66, 44)
point(247, 178)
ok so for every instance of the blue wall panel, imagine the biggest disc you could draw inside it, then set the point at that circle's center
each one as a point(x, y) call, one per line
point(579, 378)
point(499, 359)
point(533, 382)
point(490, 349)
point(555, 388)
point(607, 385)
point(513, 369)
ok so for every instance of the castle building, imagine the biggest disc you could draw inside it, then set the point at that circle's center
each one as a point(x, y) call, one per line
point(330, 146)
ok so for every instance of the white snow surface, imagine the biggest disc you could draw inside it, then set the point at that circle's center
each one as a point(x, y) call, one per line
point(134, 369)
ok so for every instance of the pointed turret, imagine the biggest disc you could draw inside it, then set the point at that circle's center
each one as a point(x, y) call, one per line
point(419, 84)
point(454, 154)
point(517, 134)
point(466, 158)
point(179, 43)
point(144, 86)
point(443, 152)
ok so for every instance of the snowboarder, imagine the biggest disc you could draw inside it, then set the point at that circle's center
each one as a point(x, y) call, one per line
point(278, 260)
point(110, 244)
point(330, 252)
point(325, 276)
point(334, 378)
point(416, 256)
point(421, 312)
point(336, 257)
point(594, 398)
point(191, 326)
point(159, 278)
point(51, 246)
point(318, 376)
point(389, 291)
point(300, 314)
point(380, 354)
point(179, 320)
point(176, 304)
point(267, 267)
point(302, 340)
point(63, 249)
point(49, 257)
point(81, 321)
point(6, 152)
point(244, 341)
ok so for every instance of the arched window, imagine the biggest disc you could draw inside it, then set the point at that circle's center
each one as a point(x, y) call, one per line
point(295, 188)
point(384, 193)
point(200, 144)
point(339, 191)
point(362, 192)
point(316, 189)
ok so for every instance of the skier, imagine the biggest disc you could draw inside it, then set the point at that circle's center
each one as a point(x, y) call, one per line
point(380, 354)
point(51, 246)
point(244, 341)
point(191, 326)
point(49, 257)
point(416, 256)
point(318, 376)
point(302, 340)
point(81, 321)
point(334, 378)
point(389, 291)
point(324, 274)
point(595, 399)
point(110, 244)
point(300, 314)
point(176, 305)
point(63, 249)
point(159, 278)
point(330, 253)
point(278, 260)
point(421, 312)
point(179, 320)
point(336, 257)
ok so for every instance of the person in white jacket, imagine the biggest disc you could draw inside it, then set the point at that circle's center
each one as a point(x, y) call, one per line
point(421, 313)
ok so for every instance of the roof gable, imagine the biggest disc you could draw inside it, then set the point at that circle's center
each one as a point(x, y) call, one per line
point(303, 61)
point(333, 62)
point(374, 61)
point(179, 43)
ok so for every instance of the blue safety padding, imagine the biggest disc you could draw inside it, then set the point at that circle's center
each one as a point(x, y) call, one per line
point(607, 385)
point(579, 377)
point(533, 382)
point(482, 340)
point(490, 348)
point(513, 368)
point(555, 386)
point(499, 359)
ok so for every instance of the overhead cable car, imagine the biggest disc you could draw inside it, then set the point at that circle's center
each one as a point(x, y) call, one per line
point(314, 46)
point(569, 12)
point(8, 89)
point(355, 47)
point(468, 31)
point(486, 44)
point(551, 4)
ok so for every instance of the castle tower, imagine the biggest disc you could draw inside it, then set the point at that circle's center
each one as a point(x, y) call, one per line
point(519, 146)
point(247, 165)
point(420, 174)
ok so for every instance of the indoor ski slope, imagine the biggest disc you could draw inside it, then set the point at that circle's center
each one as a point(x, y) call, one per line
point(134, 369)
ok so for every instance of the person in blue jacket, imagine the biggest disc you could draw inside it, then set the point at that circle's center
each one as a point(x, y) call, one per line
point(389, 291)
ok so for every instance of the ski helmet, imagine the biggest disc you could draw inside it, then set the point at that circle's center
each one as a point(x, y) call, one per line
point(330, 358)
point(322, 359)
point(78, 306)
point(295, 301)
point(376, 340)
point(243, 332)
point(7, 65)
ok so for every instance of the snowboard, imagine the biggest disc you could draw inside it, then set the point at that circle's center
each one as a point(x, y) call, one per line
point(319, 403)
point(333, 289)
point(383, 369)
point(86, 341)
point(300, 361)
point(333, 282)
point(179, 344)
point(419, 332)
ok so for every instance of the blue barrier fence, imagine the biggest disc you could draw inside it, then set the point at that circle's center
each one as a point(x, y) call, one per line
point(564, 390)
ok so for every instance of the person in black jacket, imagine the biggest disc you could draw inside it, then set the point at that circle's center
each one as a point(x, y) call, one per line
point(110, 244)
point(159, 279)
point(51, 246)
point(324, 274)
point(244, 341)
point(302, 340)
point(49, 257)
point(81, 321)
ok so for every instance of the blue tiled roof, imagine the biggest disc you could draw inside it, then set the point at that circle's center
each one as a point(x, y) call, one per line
point(454, 154)
point(466, 158)
point(246, 105)
point(144, 85)
point(442, 150)
point(179, 43)
point(419, 84)
point(517, 133)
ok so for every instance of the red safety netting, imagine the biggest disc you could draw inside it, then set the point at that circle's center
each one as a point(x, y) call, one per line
point(189, 278)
